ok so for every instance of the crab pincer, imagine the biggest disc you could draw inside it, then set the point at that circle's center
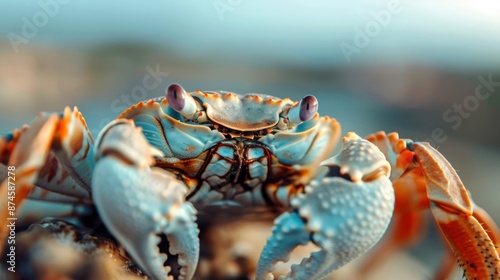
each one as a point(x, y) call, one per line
point(139, 203)
point(344, 212)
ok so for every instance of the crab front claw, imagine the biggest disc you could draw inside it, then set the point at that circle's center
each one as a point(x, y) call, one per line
point(139, 204)
point(344, 212)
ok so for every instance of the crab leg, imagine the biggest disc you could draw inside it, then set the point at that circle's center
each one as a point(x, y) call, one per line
point(488, 224)
point(448, 265)
point(26, 152)
point(424, 179)
point(54, 152)
point(453, 211)
point(344, 213)
point(139, 203)
point(62, 148)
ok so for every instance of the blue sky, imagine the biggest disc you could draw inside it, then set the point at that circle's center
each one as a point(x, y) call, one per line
point(287, 32)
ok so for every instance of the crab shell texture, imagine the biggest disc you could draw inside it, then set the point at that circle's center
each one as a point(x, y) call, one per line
point(221, 132)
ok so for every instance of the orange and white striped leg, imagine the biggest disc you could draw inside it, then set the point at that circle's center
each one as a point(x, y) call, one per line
point(25, 152)
point(55, 152)
point(429, 181)
point(453, 210)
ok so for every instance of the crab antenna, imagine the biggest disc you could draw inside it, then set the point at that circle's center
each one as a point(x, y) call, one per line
point(181, 101)
point(304, 110)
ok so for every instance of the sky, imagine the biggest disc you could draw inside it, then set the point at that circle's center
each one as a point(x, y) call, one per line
point(309, 33)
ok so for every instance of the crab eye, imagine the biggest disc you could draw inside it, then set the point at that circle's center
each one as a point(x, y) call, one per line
point(304, 110)
point(176, 97)
point(179, 100)
point(308, 107)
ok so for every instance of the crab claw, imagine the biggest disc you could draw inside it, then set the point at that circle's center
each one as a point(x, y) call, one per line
point(139, 204)
point(344, 213)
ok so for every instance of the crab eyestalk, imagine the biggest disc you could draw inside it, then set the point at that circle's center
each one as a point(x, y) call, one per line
point(181, 101)
point(304, 110)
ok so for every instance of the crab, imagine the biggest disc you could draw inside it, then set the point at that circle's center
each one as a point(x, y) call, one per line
point(164, 160)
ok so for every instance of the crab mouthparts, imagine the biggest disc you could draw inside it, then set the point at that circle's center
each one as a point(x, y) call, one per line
point(232, 133)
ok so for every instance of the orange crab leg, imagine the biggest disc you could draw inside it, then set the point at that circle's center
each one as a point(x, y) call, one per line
point(27, 152)
point(423, 179)
point(488, 224)
point(54, 153)
point(453, 210)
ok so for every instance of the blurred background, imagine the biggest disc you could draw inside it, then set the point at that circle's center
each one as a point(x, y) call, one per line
point(430, 71)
